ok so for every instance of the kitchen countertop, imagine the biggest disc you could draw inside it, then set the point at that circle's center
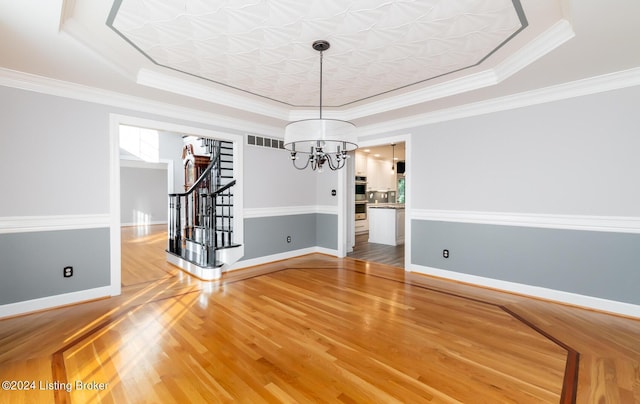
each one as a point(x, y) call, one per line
point(386, 206)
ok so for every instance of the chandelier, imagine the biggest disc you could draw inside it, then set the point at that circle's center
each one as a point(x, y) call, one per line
point(320, 140)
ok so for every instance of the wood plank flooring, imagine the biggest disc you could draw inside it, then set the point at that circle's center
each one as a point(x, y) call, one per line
point(378, 253)
point(315, 329)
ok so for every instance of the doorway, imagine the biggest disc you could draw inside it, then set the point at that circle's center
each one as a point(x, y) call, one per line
point(380, 235)
point(116, 122)
point(147, 160)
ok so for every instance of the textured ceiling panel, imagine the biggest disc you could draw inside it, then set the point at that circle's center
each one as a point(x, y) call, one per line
point(264, 46)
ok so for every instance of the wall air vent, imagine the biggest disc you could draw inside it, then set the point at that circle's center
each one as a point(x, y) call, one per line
point(265, 142)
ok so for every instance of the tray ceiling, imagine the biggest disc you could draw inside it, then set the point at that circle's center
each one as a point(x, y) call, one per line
point(264, 47)
point(566, 48)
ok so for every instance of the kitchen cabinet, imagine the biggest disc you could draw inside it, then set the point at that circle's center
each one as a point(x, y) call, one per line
point(386, 224)
point(362, 226)
point(361, 164)
point(379, 175)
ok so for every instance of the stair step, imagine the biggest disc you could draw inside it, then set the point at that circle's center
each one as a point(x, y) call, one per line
point(229, 246)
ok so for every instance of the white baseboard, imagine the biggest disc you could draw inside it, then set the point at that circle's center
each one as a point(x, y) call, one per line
point(206, 274)
point(50, 302)
point(279, 257)
point(575, 299)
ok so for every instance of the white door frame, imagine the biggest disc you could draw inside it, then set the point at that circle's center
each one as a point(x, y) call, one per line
point(406, 138)
point(115, 121)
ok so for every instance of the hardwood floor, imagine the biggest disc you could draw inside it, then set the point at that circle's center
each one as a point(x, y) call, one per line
point(378, 253)
point(314, 328)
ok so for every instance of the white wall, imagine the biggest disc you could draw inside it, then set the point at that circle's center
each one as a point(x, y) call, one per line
point(578, 156)
point(54, 156)
point(143, 196)
point(171, 149)
point(270, 180)
point(326, 181)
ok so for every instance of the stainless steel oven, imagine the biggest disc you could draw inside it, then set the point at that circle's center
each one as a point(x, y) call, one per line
point(361, 210)
point(361, 189)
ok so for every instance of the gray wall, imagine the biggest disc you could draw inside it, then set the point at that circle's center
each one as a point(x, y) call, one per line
point(577, 156)
point(31, 264)
point(271, 181)
point(572, 157)
point(54, 160)
point(591, 263)
point(143, 195)
point(268, 235)
point(65, 171)
point(326, 231)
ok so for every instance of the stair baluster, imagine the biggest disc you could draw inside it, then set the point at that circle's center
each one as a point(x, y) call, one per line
point(205, 225)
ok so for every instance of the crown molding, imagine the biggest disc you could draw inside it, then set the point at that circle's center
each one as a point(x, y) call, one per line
point(165, 82)
point(60, 88)
point(544, 43)
point(592, 85)
point(578, 88)
point(550, 39)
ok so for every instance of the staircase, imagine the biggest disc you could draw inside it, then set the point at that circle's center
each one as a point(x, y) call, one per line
point(201, 225)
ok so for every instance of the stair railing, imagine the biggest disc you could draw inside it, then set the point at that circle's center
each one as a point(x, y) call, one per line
point(201, 219)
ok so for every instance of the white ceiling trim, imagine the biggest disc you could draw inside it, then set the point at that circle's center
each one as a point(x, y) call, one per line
point(262, 47)
point(45, 85)
point(71, 27)
point(162, 81)
point(552, 38)
point(544, 43)
point(592, 85)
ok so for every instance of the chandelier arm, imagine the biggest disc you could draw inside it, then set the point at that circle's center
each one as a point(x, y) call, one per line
point(330, 162)
point(338, 164)
point(303, 167)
